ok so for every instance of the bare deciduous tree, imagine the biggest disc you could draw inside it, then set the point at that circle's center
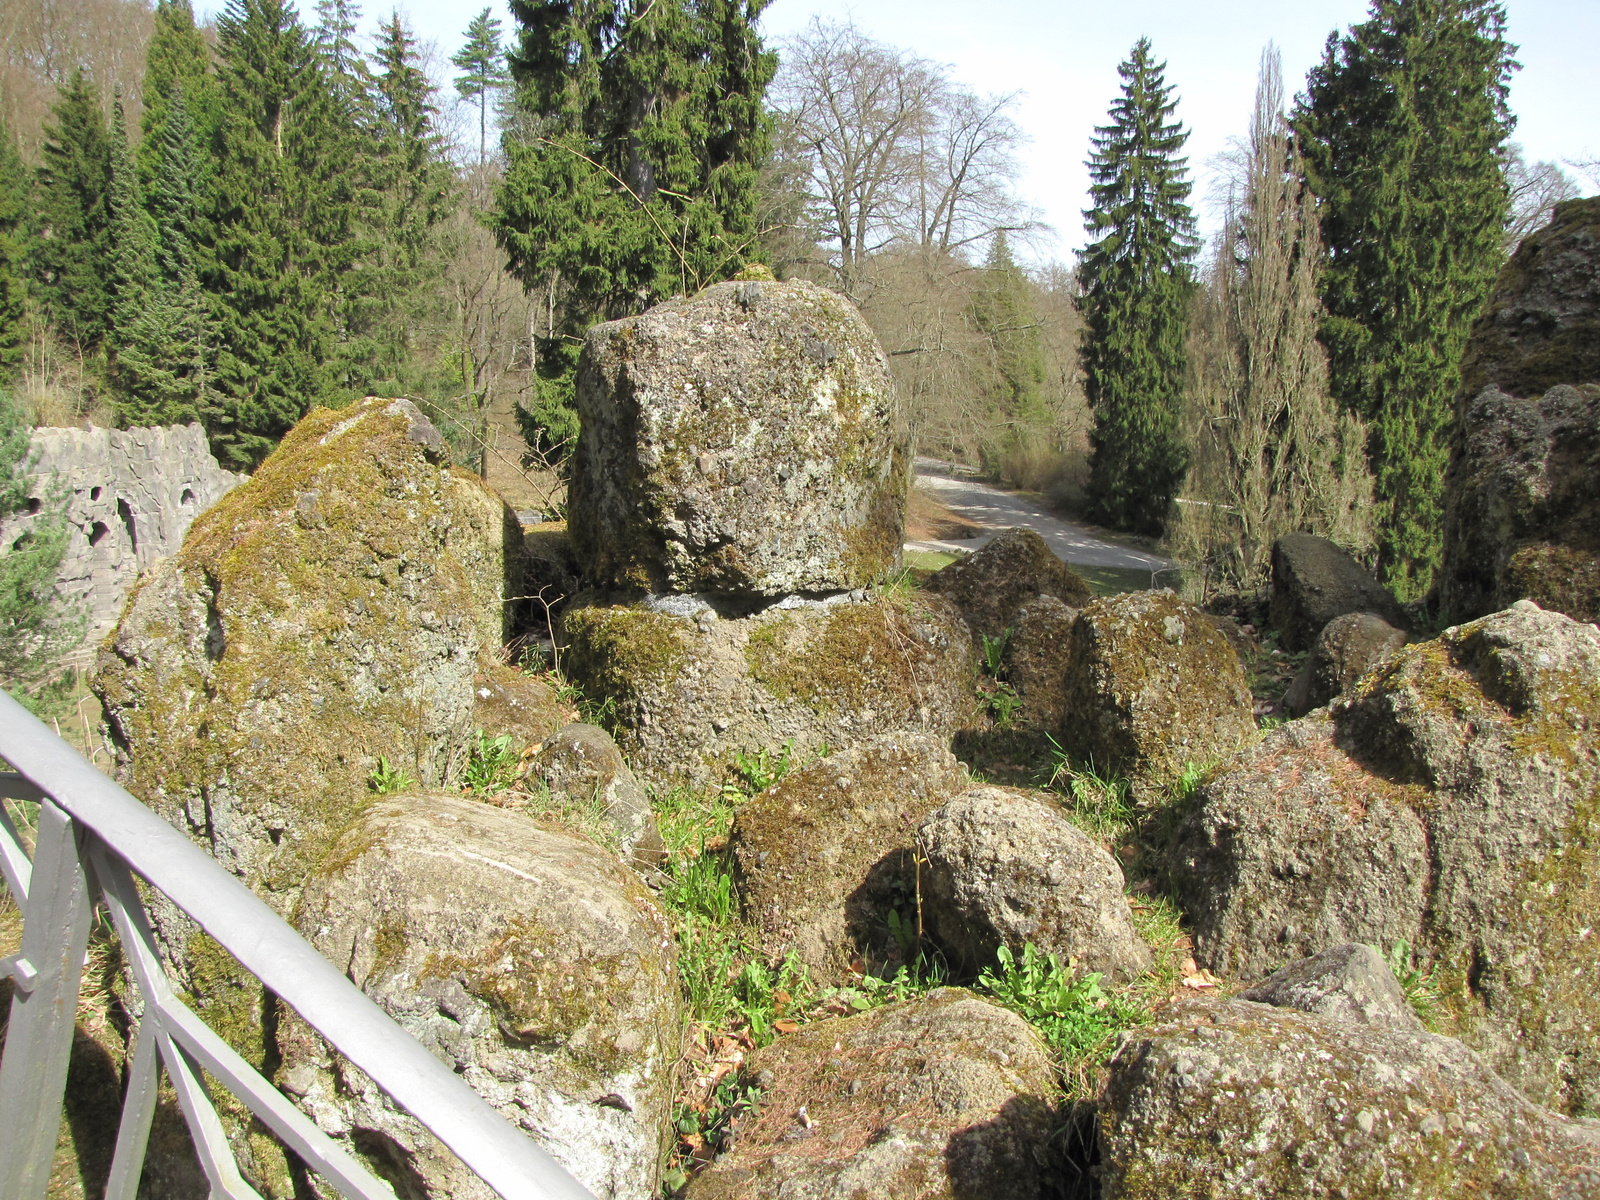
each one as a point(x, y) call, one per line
point(1536, 188)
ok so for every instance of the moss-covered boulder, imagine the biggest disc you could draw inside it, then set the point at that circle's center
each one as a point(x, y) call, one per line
point(1346, 982)
point(739, 442)
point(1151, 688)
point(944, 1098)
point(584, 770)
point(1346, 649)
point(1314, 581)
point(686, 693)
point(528, 959)
point(1522, 504)
point(1240, 1100)
point(825, 857)
point(1036, 661)
point(1018, 566)
point(1453, 802)
point(332, 611)
point(520, 707)
point(1005, 868)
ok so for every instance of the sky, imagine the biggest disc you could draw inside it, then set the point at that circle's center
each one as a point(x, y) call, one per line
point(1061, 58)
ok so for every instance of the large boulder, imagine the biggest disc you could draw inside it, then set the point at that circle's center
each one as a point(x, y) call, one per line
point(1152, 687)
point(520, 707)
point(1541, 326)
point(333, 610)
point(943, 1098)
point(1006, 869)
point(825, 855)
point(740, 442)
point(1346, 649)
point(1256, 1103)
point(583, 768)
point(1451, 803)
point(1347, 982)
point(991, 584)
point(1314, 581)
point(1522, 504)
point(689, 691)
point(528, 960)
point(1036, 661)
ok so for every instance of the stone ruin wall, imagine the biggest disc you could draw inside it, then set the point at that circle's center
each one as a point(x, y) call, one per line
point(133, 493)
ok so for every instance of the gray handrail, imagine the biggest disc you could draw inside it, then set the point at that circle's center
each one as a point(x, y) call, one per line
point(501, 1155)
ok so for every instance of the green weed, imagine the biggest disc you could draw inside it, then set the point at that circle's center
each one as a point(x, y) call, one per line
point(1003, 702)
point(387, 778)
point(491, 766)
point(994, 653)
point(758, 771)
point(1415, 980)
point(1101, 805)
point(1077, 1016)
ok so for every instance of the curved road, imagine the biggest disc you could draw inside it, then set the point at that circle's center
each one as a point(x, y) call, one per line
point(998, 510)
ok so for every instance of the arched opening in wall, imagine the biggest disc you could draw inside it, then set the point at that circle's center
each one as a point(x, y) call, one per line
point(187, 497)
point(126, 514)
point(94, 493)
point(97, 533)
point(34, 505)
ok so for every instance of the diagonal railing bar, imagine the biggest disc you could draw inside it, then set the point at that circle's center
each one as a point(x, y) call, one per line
point(95, 838)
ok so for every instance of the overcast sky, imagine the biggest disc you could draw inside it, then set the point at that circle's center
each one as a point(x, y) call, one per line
point(1062, 57)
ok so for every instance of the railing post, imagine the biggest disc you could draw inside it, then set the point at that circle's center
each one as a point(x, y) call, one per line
point(44, 1008)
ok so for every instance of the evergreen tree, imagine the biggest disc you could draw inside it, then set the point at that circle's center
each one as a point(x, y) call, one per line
point(1003, 311)
point(74, 217)
point(16, 201)
point(483, 63)
point(634, 175)
point(177, 54)
point(284, 236)
point(164, 359)
point(1404, 126)
point(131, 260)
point(1136, 286)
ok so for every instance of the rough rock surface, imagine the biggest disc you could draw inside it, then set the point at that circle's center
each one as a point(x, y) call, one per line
point(529, 960)
point(1151, 686)
point(1347, 982)
point(1541, 326)
point(1452, 803)
point(333, 609)
point(1005, 869)
point(1346, 649)
point(131, 496)
point(990, 585)
point(826, 854)
point(581, 764)
point(511, 704)
point(691, 691)
point(1522, 503)
point(1314, 581)
point(1036, 661)
point(738, 442)
point(1239, 1100)
point(944, 1098)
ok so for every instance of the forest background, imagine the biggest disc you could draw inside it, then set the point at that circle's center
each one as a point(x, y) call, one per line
point(233, 221)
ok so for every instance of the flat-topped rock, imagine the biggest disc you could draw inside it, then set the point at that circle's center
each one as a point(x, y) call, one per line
point(739, 442)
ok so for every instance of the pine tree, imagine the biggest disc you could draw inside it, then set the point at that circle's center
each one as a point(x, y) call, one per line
point(284, 235)
point(164, 359)
point(483, 63)
point(74, 217)
point(1003, 311)
point(131, 257)
point(177, 54)
point(16, 202)
point(1404, 126)
point(1136, 286)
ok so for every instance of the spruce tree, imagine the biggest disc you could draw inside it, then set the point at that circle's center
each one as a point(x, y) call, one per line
point(16, 202)
point(74, 205)
point(1003, 310)
point(1136, 283)
point(1404, 125)
point(483, 63)
point(177, 54)
point(131, 257)
point(283, 231)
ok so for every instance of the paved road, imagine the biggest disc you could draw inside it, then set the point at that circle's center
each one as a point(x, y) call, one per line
point(1000, 510)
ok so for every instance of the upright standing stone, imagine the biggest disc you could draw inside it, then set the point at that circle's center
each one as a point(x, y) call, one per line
point(739, 442)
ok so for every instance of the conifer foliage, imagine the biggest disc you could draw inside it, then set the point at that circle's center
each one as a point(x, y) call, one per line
point(16, 201)
point(75, 206)
point(1136, 283)
point(1403, 128)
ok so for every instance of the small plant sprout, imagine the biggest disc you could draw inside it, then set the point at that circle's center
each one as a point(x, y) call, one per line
point(994, 653)
point(491, 766)
point(387, 778)
point(1417, 982)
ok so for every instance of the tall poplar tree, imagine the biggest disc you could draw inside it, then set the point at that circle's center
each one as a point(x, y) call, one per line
point(1403, 127)
point(75, 217)
point(1136, 283)
point(16, 202)
point(283, 229)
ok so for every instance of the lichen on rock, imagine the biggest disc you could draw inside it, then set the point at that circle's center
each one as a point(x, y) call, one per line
point(990, 585)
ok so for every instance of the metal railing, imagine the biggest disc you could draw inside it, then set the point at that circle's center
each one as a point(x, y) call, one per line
point(93, 839)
